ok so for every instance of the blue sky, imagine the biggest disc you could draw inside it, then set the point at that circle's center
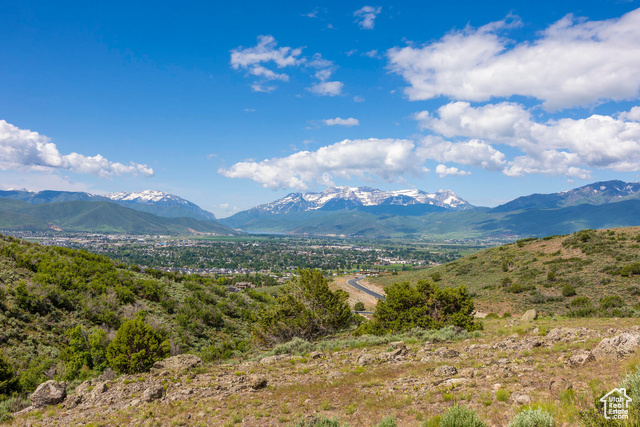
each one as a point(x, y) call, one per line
point(238, 103)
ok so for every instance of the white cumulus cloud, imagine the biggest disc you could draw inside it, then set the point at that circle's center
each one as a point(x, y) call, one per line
point(443, 171)
point(22, 149)
point(366, 16)
point(473, 153)
point(387, 159)
point(574, 62)
point(341, 122)
point(558, 147)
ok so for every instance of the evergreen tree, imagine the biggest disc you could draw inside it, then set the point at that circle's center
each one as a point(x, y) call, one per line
point(136, 347)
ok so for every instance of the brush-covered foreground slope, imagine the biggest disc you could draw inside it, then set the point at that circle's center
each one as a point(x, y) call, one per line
point(45, 291)
point(407, 380)
point(97, 217)
point(533, 273)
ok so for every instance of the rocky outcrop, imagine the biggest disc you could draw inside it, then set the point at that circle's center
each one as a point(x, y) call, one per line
point(580, 359)
point(445, 371)
point(181, 362)
point(49, 393)
point(152, 393)
point(616, 347)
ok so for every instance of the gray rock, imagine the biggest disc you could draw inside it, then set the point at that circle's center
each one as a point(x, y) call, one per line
point(453, 382)
point(152, 393)
point(99, 388)
point(398, 344)
point(335, 375)
point(316, 355)
point(257, 382)
point(616, 347)
point(272, 359)
point(446, 353)
point(49, 393)
point(523, 399)
point(445, 371)
point(580, 360)
point(559, 384)
point(529, 316)
point(180, 362)
point(366, 359)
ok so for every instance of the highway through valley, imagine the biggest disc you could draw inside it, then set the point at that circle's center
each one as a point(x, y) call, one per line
point(354, 283)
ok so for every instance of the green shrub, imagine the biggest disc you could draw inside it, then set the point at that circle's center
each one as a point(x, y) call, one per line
point(86, 352)
point(612, 301)
point(492, 316)
point(568, 290)
point(9, 383)
point(461, 416)
point(506, 282)
point(319, 421)
point(436, 277)
point(136, 347)
point(359, 306)
point(532, 418)
point(502, 395)
point(506, 315)
point(388, 422)
point(305, 308)
point(580, 302)
point(631, 382)
point(425, 305)
point(516, 288)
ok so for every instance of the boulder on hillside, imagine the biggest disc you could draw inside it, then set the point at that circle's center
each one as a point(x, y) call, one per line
point(180, 362)
point(446, 371)
point(152, 393)
point(366, 359)
point(446, 353)
point(529, 316)
point(49, 393)
point(580, 360)
point(616, 347)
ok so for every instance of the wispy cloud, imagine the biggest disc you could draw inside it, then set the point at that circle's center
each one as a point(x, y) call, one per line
point(22, 149)
point(366, 16)
point(574, 62)
point(341, 122)
point(254, 60)
point(258, 61)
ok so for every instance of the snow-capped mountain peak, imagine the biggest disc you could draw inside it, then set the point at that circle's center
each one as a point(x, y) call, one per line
point(145, 196)
point(336, 198)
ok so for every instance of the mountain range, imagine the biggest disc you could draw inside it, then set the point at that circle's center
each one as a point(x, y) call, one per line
point(366, 212)
point(338, 211)
point(145, 212)
point(151, 201)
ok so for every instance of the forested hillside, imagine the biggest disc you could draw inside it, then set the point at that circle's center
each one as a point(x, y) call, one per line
point(588, 273)
point(61, 308)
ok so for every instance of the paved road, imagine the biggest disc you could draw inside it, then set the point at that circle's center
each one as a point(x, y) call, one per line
point(355, 284)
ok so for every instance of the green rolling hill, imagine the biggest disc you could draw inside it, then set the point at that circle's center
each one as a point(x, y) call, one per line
point(97, 217)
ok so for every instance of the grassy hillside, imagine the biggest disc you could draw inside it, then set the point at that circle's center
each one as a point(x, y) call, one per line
point(46, 291)
point(533, 273)
point(97, 217)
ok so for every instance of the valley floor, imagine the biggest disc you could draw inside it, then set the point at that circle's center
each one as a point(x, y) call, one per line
point(552, 362)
